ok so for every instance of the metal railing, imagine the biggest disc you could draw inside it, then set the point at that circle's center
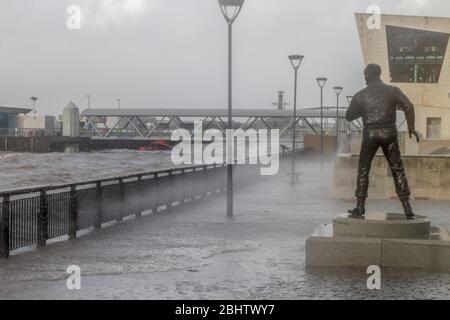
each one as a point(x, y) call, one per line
point(31, 216)
point(34, 215)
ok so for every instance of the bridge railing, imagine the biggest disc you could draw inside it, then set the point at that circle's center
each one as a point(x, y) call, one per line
point(32, 216)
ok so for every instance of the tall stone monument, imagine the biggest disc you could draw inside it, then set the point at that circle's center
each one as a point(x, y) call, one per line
point(71, 120)
point(71, 125)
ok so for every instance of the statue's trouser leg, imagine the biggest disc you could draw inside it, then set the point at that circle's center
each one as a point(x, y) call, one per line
point(369, 148)
point(391, 151)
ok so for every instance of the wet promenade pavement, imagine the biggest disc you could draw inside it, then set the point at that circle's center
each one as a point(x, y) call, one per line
point(197, 253)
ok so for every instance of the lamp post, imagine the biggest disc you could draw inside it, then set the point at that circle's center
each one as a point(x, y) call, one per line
point(88, 96)
point(230, 10)
point(349, 99)
point(349, 134)
point(321, 82)
point(118, 103)
point(296, 60)
point(338, 91)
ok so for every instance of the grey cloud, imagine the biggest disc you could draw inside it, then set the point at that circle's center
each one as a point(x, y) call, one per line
point(173, 52)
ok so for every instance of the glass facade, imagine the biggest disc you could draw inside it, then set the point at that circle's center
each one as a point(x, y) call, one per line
point(415, 55)
point(434, 128)
point(4, 120)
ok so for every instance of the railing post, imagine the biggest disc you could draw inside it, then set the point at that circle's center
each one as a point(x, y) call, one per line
point(122, 200)
point(140, 186)
point(171, 195)
point(154, 195)
point(4, 232)
point(217, 170)
point(187, 188)
point(42, 220)
point(73, 218)
point(98, 205)
point(206, 176)
point(184, 187)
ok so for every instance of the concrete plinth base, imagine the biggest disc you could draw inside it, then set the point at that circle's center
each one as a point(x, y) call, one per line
point(382, 225)
point(382, 239)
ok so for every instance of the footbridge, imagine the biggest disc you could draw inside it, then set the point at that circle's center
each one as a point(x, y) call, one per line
point(155, 123)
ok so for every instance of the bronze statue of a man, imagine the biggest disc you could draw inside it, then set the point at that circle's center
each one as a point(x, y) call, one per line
point(377, 105)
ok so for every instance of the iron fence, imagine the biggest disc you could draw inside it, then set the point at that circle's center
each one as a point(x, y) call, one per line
point(32, 216)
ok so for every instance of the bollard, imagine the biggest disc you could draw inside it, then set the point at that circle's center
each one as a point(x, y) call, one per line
point(4, 232)
point(42, 231)
point(98, 205)
point(73, 215)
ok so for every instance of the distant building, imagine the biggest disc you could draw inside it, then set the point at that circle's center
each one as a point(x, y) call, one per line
point(36, 125)
point(8, 118)
point(17, 122)
point(413, 52)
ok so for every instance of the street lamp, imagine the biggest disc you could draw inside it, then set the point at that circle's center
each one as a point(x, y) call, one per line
point(118, 103)
point(349, 99)
point(321, 82)
point(296, 60)
point(88, 96)
point(349, 134)
point(230, 10)
point(338, 91)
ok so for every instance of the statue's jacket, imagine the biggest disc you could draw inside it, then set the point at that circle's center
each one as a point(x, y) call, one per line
point(377, 104)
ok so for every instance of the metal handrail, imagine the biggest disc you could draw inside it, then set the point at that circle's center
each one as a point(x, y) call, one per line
point(36, 215)
point(18, 191)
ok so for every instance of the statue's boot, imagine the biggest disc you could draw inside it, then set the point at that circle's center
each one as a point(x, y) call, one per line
point(360, 209)
point(408, 210)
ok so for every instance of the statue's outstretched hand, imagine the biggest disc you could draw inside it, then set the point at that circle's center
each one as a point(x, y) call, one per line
point(414, 133)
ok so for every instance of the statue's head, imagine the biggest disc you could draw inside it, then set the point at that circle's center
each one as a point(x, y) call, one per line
point(372, 72)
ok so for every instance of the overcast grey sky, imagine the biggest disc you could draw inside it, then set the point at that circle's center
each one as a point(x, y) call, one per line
point(173, 53)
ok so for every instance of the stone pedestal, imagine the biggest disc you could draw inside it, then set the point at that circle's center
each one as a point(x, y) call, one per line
point(382, 225)
point(383, 239)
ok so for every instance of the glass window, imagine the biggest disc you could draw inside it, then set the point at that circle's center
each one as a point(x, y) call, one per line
point(3, 120)
point(433, 128)
point(415, 55)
